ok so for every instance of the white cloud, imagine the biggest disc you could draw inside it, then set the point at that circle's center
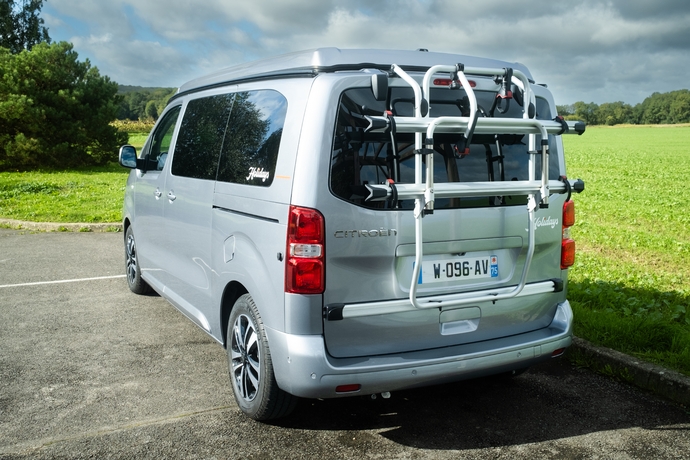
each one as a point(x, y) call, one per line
point(591, 50)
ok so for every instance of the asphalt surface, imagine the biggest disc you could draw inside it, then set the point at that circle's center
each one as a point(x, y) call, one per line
point(89, 370)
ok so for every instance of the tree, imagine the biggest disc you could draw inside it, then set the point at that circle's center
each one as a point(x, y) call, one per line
point(680, 107)
point(21, 28)
point(565, 110)
point(54, 110)
point(137, 103)
point(586, 112)
point(614, 113)
point(152, 110)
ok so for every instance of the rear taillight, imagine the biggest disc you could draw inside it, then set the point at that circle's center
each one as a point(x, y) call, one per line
point(567, 243)
point(304, 267)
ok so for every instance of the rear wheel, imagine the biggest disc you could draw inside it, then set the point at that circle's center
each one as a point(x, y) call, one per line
point(251, 369)
point(136, 284)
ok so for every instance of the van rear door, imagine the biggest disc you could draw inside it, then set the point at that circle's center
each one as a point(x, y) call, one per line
point(470, 244)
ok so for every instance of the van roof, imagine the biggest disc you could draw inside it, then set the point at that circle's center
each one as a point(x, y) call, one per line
point(310, 63)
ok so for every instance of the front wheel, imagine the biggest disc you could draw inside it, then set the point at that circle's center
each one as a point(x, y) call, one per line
point(136, 284)
point(251, 369)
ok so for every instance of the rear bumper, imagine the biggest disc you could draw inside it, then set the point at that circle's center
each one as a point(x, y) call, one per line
point(304, 368)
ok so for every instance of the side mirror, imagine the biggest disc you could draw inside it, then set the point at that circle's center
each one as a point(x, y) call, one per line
point(128, 157)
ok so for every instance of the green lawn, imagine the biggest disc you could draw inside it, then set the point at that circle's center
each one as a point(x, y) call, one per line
point(91, 195)
point(630, 286)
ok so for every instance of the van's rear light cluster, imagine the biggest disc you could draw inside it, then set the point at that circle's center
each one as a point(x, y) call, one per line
point(567, 243)
point(304, 268)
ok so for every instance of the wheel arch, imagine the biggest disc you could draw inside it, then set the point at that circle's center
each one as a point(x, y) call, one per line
point(125, 225)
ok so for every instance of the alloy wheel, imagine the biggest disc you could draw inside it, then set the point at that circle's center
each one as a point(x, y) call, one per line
point(245, 357)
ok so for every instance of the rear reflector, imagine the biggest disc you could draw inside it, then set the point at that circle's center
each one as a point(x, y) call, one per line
point(557, 353)
point(567, 253)
point(351, 388)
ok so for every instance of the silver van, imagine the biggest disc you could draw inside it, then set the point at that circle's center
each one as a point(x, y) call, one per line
point(354, 222)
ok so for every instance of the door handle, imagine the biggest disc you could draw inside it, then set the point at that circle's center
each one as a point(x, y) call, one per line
point(171, 196)
point(157, 193)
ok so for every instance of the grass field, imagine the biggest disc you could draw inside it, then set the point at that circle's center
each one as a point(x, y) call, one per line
point(630, 286)
point(92, 195)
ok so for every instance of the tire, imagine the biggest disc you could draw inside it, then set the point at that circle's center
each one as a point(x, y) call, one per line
point(250, 367)
point(132, 268)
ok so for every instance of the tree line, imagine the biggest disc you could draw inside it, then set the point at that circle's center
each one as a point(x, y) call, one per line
point(137, 103)
point(659, 108)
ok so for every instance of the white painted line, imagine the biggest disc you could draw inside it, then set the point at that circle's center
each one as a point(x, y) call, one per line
point(62, 281)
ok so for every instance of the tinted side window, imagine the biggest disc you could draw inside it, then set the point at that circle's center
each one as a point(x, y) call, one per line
point(161, 139)
point(201, 137)
point(252, 140)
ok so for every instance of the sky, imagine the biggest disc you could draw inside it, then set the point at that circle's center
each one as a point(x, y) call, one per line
point(584, 50)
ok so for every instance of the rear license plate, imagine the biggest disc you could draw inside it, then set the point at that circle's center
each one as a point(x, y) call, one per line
point(437, 271)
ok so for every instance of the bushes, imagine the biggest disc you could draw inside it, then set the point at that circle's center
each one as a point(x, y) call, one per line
point(54, 110)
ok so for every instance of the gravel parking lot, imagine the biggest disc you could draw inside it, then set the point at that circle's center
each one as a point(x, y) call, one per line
point(89, 370)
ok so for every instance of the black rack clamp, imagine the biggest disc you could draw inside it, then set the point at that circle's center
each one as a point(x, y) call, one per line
point(377, 124)
point(454, 81)
point(505, 93)
point(391, 130)
point(461, 148)
point(579, 186)
point(394, 193)
point(544, 202)
point(563, 123)
point(568, 188)
point(428, 148)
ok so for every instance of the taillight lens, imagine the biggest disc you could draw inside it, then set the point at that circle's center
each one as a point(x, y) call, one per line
point(567, 243)
point(569, 213)
point(304, 268)
point(567, 253)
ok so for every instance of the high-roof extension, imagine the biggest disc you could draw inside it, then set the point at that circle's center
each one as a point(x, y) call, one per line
point(312, 62)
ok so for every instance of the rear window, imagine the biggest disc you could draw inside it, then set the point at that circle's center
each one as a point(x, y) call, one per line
point(360, 158)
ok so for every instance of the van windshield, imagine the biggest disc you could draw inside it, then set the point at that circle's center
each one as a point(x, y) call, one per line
point(360, 158)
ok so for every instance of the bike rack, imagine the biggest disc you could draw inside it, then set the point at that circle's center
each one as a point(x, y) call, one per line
point(424, 191)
